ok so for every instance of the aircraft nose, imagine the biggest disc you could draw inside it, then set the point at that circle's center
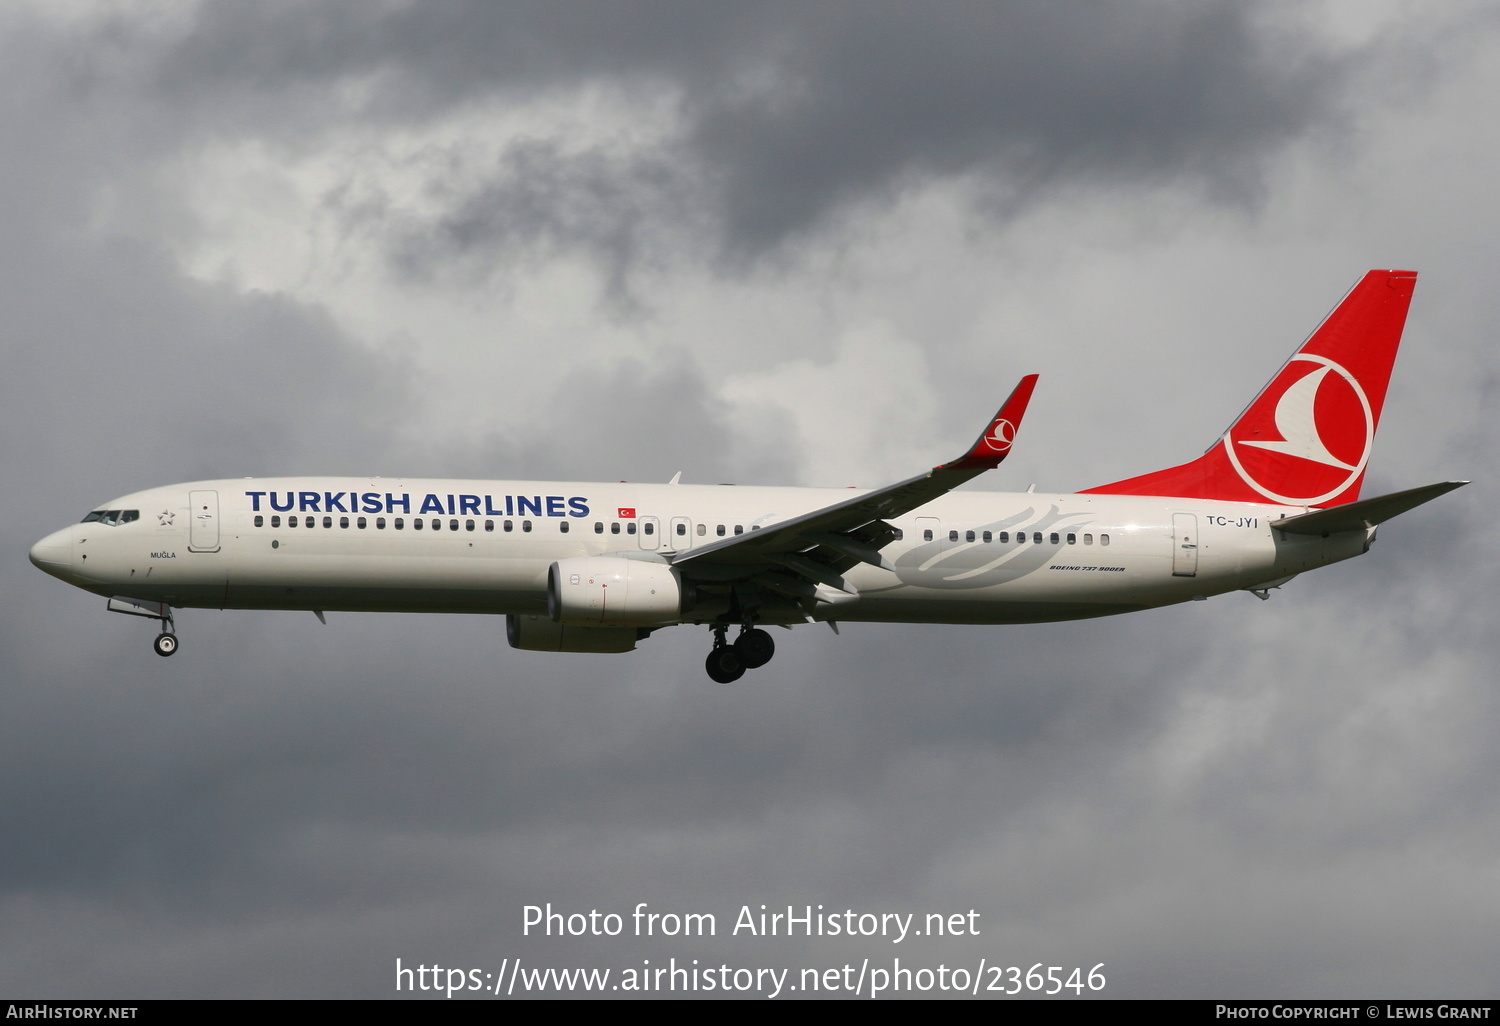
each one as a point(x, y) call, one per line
point(54, 553)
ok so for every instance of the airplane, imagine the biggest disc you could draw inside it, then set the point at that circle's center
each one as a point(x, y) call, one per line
point(599, 567)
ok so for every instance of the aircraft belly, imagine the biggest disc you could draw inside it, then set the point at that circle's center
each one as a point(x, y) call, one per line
point(388, 599)
point(292, 579)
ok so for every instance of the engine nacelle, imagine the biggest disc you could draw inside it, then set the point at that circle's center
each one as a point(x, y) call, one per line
point(539, 634)
point(610, 591)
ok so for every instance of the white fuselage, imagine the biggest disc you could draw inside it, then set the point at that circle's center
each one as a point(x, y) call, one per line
point(486, 546)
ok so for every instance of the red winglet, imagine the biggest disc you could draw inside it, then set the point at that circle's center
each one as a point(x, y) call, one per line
point(994, 444)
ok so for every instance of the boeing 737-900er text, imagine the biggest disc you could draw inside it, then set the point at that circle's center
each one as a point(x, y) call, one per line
point(599, 567)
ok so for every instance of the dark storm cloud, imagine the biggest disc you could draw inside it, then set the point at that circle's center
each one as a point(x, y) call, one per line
point(627, 211)
point(789, 113)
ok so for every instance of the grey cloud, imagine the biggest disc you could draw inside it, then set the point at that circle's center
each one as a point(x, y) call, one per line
point(790, 114)
point(631, 213)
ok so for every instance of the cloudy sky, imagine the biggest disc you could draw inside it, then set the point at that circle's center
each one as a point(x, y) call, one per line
point(764, 243)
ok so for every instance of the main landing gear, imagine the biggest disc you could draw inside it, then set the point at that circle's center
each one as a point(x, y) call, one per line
point(728, 662)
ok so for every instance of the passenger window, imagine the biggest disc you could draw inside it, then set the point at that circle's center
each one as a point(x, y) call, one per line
point(630, 527)
point(650, 527)
point(738, 529)
point(563, 527)
point(927, 535)
point(988, 537)
point(1104, 539)
point(702, 530)
point(510, 525)
point(1072, 539)
point(526, 525)
point(328, 522)
point(400, 523)
point(968, 536)
point(275, 521)
point(291, 521)
point(416, 523)
point(260, 521)
point(361, 523)
point(1088, 539)
point(614, 527)
point(343, 521)
point(489, 525)
point(1036, 537)
point(681, 530)
point(380, 523)
point(1005, 537)
point(468, 525)
point(1052, 538)
point(953, 536)
point(719, 530)
point(598, 527)
point(453, 525)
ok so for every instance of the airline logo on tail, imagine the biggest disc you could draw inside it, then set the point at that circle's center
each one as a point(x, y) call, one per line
point(1306, 438)
point(1310, 432)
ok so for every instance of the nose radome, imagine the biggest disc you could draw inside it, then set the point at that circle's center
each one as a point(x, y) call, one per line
point(54, 553)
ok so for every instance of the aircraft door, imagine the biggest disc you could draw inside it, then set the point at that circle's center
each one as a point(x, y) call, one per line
point(1184, 545)
point(679, 535)
point(203, 521)
point(650, 533)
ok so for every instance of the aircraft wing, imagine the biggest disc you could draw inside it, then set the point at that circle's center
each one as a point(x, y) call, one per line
point(793, 556)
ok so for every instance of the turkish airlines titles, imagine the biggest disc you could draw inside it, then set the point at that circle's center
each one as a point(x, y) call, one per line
point(449, 505)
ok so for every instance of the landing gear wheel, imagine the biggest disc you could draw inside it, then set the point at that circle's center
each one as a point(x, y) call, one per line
point(165, 644)
point(725, 665)
point(755, 648)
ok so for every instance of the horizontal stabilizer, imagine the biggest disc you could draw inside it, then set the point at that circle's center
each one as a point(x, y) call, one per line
point(1357, 516)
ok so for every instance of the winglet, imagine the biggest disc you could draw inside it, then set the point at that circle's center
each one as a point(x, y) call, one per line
point(994, 444)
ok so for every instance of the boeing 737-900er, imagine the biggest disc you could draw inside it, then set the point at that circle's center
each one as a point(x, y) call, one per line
point(599, 567)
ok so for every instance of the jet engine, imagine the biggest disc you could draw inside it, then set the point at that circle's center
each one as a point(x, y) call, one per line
point(610, 591)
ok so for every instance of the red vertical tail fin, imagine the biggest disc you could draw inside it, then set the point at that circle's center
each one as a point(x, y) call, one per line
point(1306, 438)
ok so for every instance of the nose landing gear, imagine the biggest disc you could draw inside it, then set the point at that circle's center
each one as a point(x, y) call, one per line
point(154, 609)
point(728, 662)
point(166, 642)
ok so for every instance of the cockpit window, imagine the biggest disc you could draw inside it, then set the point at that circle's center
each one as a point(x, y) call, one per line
point(112, 517)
